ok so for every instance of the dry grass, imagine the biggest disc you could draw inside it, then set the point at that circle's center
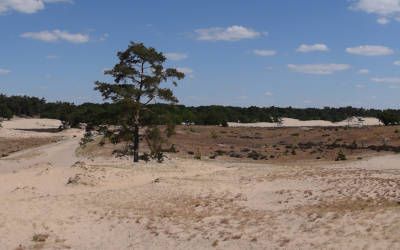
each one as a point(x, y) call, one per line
point(276, 145)
point(10, 145)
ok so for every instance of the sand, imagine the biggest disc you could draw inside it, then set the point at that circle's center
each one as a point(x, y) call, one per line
point(19, 127)
point(289, 122)
point(52, 199)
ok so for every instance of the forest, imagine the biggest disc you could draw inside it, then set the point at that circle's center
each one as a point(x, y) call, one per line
point(109, 113)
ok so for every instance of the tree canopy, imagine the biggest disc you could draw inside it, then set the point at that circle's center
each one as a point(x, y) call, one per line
point(137, 82)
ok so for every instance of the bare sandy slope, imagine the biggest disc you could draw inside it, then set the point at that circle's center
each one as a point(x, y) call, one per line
point(18, 127)
point(289, 122)
point(188, 204)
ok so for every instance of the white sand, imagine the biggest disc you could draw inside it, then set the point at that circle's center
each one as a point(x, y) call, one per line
point(189, 204)
point(17, 127)
point(289, 122)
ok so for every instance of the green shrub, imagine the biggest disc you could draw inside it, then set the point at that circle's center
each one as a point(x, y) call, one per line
point(197, 155)
point(87, 138)
point(155, 142)
point(340, 156)
point(213, 134)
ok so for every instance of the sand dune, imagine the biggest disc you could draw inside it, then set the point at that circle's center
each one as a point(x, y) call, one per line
point(49, 201)
point(289, 122)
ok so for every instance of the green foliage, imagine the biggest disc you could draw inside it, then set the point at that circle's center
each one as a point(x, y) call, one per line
point(87, 138)
point(197, 155)
point(341, 156)
point(155, 141)
point(213, 134)
point(5, 112)
point(389, 117)
point(157, 114)
point(170, 130)
point(137, 82)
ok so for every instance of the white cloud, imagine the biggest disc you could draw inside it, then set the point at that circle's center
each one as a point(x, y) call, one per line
point(318, 69)
point(370, 50)
point(187, 71)
point(268, 93)
point(232, 33)
point(57, 35)
point(263, 52)
point(104, 37)
point(360, 86)
point(389, 80)
point(397, 63)
point(383, 20)
point(380, 7)
point(176, 56)
point(27, 6)
point(305, 48)
point(4, 72)
point(51, 57)
point(384, 9)
point(363, 71)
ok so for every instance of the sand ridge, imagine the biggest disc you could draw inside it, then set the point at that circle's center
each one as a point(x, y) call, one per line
point(290, 122)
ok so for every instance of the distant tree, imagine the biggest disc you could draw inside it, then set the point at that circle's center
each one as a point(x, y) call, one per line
point(388, 117)
point(5, 112)
point(137, 78)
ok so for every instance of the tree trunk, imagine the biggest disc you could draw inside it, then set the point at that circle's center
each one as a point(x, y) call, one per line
point(136, 143)
point(136, 136)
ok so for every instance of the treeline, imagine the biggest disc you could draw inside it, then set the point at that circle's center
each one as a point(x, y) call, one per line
point(161, 114)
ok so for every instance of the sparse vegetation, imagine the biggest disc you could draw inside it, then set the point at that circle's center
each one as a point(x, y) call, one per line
point(155, 142)
point(197, 155)
point(341, 156)
point(87, 138)
point(40, 237)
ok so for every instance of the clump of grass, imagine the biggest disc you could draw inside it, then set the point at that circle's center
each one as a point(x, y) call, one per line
point(87, 138)
point(213, 134)
point(197, 155)
point(40, 237)
point(341, 156)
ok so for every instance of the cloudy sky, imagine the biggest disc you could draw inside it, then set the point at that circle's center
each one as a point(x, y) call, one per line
point(308, 53)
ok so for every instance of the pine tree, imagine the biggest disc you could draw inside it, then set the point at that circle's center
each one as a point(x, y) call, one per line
point(137, 79)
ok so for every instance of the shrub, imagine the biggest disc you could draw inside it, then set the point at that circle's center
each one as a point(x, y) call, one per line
point(197, 155)
point(254, 155)
point(145, 157)
point(388, 118)
point(40, 237)
point(213, 134)
point(170, 131)
point(87, 138)
point(340, 156)
point(155, 142)
point(171, 149)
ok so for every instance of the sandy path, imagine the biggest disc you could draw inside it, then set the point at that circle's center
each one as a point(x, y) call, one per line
point(60, 154)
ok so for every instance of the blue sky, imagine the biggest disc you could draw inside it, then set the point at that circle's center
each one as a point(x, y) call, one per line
point(309, 53)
